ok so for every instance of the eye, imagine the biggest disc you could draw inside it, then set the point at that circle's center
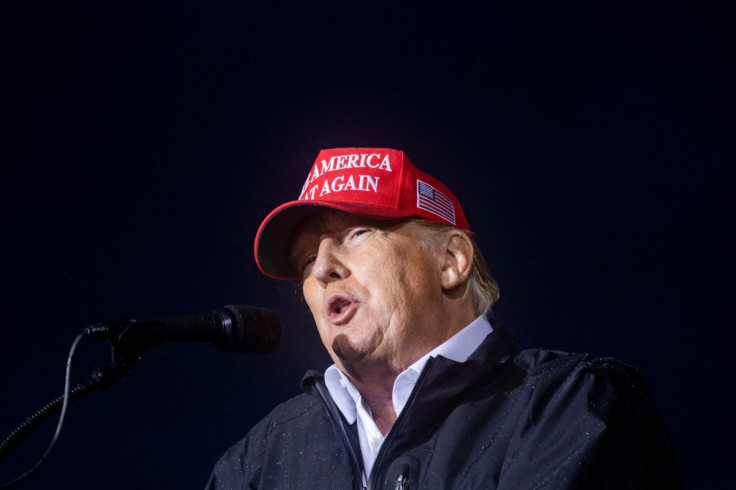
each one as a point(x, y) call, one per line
point(358, 232)
point(309, 260)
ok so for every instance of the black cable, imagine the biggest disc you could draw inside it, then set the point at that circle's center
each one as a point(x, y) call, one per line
point(62, 417)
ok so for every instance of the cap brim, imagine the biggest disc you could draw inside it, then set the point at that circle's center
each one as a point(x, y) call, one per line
point(275, 236)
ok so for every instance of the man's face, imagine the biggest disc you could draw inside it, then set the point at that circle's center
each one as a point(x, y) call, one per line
point(373, 288)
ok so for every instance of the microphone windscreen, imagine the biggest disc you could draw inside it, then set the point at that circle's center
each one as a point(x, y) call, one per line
point(255, 329)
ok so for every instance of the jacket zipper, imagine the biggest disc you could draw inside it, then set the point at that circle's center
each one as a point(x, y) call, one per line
point(402, 481)
point(401, 478)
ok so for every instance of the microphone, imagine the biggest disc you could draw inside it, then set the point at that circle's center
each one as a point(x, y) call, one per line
point(232, 328)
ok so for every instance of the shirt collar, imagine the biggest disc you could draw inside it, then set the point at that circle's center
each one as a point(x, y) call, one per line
point(343, 393)
point(457, 348)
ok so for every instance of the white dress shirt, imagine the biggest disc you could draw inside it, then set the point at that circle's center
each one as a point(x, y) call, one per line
point(347, 398)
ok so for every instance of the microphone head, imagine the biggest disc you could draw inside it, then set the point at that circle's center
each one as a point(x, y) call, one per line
point(254, 329)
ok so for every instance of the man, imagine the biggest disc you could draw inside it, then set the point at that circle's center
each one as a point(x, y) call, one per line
point(425, 392)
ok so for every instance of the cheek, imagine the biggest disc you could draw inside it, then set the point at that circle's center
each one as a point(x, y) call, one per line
point(389, 286)
point(415, 284)
point(311, 298)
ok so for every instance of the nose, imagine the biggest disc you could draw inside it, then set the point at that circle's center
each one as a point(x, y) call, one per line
point(328, 267)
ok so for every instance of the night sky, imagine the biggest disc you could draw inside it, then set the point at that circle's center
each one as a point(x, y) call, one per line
point(592, 145)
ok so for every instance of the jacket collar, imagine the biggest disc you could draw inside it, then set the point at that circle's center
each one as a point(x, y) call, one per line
point(495, 350)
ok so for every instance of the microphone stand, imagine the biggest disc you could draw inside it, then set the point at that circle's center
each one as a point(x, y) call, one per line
point(124, 355)
point(102, 377)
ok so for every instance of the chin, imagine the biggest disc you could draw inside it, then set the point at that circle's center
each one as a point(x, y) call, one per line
point(346, 350)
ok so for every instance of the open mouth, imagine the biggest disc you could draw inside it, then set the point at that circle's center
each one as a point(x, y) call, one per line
point(339, 307)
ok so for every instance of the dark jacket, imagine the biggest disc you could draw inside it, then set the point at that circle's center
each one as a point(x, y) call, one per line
point(505, 419)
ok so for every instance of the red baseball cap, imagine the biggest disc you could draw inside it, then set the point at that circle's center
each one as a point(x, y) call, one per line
point(372, 182)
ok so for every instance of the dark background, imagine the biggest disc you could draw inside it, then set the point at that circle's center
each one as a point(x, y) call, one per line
point(591, 143)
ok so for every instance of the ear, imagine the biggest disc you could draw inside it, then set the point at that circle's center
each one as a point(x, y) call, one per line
point(458, 260)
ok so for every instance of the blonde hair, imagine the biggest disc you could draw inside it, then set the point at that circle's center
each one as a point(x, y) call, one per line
point(481, 286)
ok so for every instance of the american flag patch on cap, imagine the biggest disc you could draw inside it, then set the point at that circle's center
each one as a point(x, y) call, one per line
point(434, 201)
